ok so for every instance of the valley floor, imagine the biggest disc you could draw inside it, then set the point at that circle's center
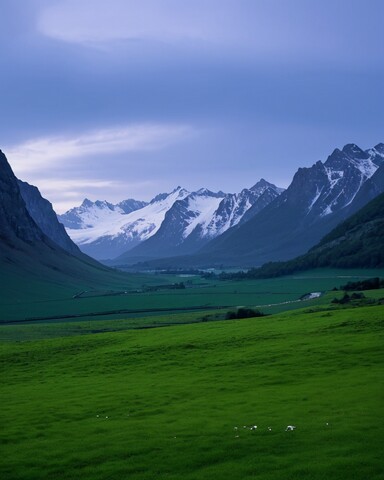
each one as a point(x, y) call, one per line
point(179, 402)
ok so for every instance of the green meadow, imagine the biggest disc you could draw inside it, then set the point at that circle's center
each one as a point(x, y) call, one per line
point(131, 296)
point(108, 399)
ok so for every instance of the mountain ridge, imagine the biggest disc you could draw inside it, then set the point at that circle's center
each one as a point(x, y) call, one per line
point(318, 198)
point(179, 221)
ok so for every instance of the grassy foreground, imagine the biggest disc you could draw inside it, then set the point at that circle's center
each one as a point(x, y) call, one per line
point(164, 403)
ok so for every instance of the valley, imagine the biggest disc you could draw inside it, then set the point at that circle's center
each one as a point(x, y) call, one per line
point(191, 240)
point(106, 398)
point(169, 375)
point(142, 295)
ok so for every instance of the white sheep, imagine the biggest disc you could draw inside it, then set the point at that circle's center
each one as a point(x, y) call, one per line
point(290, 428)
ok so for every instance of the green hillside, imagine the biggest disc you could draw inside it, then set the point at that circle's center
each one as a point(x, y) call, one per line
point(178, 402)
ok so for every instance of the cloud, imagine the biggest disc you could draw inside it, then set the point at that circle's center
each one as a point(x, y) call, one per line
point(68, 192)
point(297, 29)
point(92, 21)
point(40, 153)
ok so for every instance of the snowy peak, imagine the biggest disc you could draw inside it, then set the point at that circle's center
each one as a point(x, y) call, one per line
point(354, 152)
point(177, 194)
point(179, 219)
point(330, 186)
point(262, 186)
point(377, 153)
point(89, 213)
point(130, 205)
point(104, 230)
point(198, 218)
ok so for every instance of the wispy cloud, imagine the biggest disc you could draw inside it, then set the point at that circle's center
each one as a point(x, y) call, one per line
point(40, 153)
point(93, 21)
point(66, 193)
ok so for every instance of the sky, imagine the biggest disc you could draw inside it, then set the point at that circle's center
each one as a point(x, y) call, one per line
point(122, 99)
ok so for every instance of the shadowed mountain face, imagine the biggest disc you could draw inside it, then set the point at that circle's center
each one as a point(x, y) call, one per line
point(44, 216)
point(16, 225)
point(26, 253)
point(358, 242)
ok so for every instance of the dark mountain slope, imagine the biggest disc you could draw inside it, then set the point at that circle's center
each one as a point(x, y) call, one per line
point(45, 217)
point(356, 242)
point(28, 255)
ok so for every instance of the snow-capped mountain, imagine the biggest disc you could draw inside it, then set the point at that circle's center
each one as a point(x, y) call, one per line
point(103, 230)
point(200, 217)
point(180, 221)
point(91, 213)
point(317, 200)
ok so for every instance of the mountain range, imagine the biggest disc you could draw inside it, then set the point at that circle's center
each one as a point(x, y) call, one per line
point(173, 223)
point(318, 198)
point(356, 242)
point(187, 229)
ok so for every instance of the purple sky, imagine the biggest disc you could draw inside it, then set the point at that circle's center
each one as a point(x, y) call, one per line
point(128, 98)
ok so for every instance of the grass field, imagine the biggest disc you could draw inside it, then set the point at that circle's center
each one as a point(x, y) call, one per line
point(164, 403)
point(52, 301)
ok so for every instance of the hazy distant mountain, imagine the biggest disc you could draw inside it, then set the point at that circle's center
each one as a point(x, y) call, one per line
point(89, 213)
point(44, 216)
point(105, 231)
point(198, 218)
point(176, 222)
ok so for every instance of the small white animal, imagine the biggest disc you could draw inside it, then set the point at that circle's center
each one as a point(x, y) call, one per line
point(290, 428)
point(270, 429)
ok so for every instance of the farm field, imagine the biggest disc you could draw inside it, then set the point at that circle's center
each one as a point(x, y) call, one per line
point(171, 403)
point(79, 302)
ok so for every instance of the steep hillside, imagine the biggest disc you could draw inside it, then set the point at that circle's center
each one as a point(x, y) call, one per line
point(28, 256)
point(45, 217)
point(356, 242)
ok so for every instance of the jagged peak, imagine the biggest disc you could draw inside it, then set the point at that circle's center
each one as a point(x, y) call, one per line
point(262, 183)
point(87, 203)
point(181, 192)
point(354, 151)
point(377, 150)
point(209, 193)
point(351, 147)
